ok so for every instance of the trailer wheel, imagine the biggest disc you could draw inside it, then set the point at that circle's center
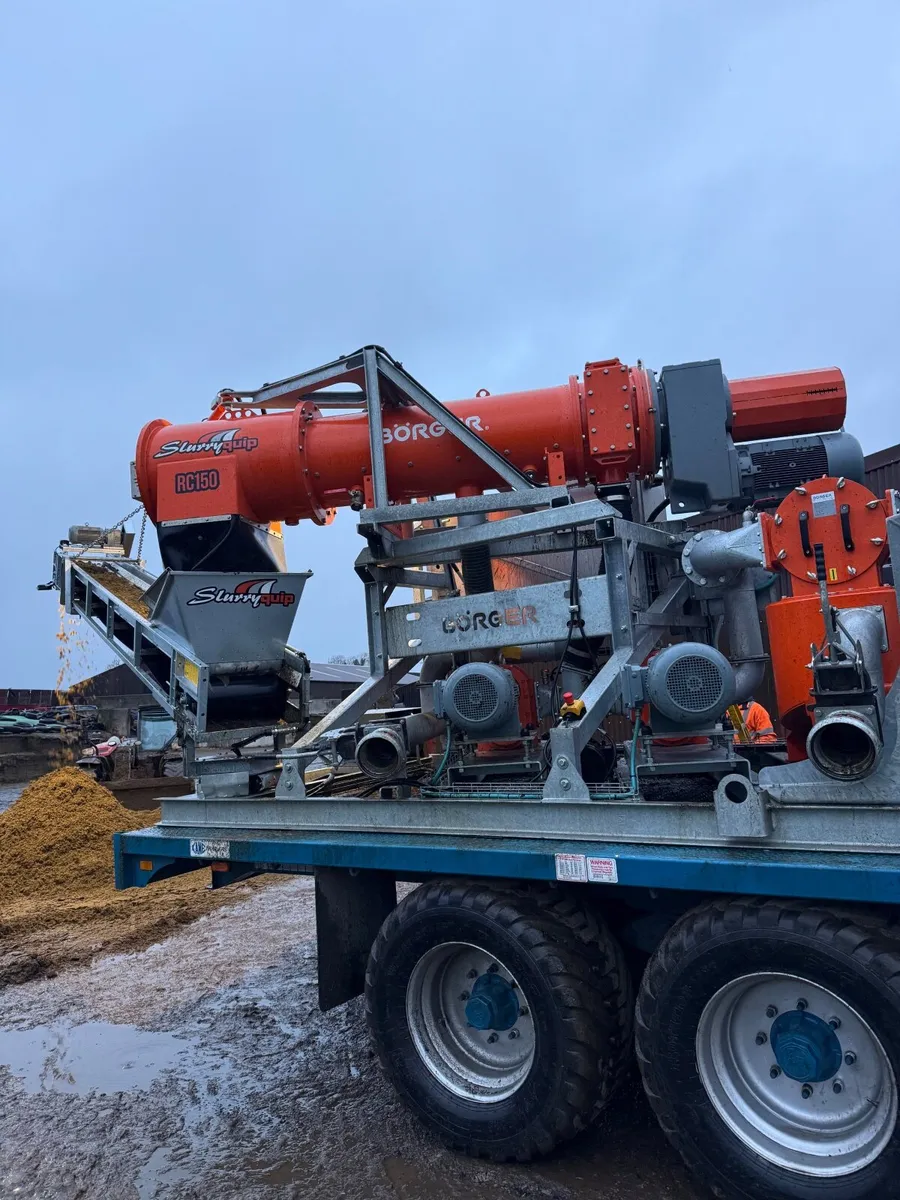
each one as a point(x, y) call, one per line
point(502, 1017)
point(768, 1037)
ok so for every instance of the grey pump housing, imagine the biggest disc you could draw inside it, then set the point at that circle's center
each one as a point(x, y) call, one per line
point(701, 462)
point(481, 699)
point(690, 684)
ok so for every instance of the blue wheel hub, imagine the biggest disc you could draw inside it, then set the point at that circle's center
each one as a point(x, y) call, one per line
point(805, 1047)
point(492, 1004)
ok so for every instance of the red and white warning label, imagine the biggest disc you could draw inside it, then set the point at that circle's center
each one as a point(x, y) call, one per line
point(602, 870)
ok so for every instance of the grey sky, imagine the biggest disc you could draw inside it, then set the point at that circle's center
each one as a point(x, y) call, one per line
point(201, 194)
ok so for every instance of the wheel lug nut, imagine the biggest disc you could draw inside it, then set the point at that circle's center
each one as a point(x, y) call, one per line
point(849, 1058)
point(837, 1087)
point(806, 1091)
point(834, 1022)
point(523, 1011)
point(473, 974)
point(761, 1039)
point(492, 1038)
point(463, 995)
point(775, 1072)
point(493, 968)
point(802, 1004)
point(771, 1012)
point(513, 1034)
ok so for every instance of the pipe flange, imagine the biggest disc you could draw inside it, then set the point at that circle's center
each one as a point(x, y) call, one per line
point(697, 578)
point(715, 557)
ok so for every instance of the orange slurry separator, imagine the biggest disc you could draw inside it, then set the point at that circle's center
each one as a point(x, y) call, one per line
point(849, 522)
point(294, 462)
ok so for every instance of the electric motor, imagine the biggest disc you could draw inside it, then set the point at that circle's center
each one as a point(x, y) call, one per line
point(481, 699)
point(691, 683)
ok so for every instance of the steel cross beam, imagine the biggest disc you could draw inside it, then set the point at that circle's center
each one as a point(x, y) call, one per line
point(286, 393)
point(438, 546)
point(539, 497)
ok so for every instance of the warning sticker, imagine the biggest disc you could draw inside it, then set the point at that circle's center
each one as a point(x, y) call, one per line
point(602, 870)
point(823, 504)
point(571, 867)
point(210, 849)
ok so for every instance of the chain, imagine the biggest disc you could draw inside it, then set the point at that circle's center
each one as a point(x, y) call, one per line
point(140, 549)
point(118, 525)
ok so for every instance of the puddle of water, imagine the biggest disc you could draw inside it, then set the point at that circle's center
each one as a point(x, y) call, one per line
point(94, 1057)
point(9, 792)
point(158, 1174)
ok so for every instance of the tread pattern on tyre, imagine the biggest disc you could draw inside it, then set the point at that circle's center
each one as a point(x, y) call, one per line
point(866, 935)
point(589, 980)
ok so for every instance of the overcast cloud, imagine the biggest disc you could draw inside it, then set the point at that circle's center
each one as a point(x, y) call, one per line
point(201, 194)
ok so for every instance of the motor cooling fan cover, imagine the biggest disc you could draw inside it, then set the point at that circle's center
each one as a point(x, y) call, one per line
point(690, 683)
point(481, 699)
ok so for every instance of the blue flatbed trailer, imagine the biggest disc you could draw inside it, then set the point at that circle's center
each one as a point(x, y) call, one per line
point(767, 985)
point(145, 855)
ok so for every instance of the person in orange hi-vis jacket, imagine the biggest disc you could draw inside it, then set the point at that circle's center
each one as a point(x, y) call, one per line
point(758, 722)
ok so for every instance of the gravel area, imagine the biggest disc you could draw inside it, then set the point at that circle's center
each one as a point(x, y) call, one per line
point(202, 1067)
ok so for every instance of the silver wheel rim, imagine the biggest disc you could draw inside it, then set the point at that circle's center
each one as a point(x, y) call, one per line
point(485, 1065)
point(761, 1038)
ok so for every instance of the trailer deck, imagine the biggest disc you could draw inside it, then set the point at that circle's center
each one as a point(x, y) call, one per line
point(146, 855)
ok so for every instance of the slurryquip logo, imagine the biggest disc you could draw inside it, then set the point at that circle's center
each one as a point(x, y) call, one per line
point(225, 442)
point(254, 592)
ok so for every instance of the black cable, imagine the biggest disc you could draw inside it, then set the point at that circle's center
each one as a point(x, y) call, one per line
point(574, 598)
point(455, 571)
point(662, 504)
point(232, 525)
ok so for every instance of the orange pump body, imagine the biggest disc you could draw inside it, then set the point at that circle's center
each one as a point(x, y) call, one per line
point(296, 464)
point(302, 464)
point(854, 581)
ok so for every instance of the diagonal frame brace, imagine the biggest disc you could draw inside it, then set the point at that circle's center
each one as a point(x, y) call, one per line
point(423, 399)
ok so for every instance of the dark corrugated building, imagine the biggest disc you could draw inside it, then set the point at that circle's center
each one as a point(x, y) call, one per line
point(883, 470)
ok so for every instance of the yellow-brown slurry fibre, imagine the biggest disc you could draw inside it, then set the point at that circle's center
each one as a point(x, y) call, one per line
point(128, 592)
point(58, 903)
point(74, 655)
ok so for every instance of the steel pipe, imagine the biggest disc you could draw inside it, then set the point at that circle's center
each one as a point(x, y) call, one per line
point(382, 752)
point(845, 744)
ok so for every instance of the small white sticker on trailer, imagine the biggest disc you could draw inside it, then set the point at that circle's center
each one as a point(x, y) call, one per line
point(602, 870)
point(571, 867)
point(210, 849)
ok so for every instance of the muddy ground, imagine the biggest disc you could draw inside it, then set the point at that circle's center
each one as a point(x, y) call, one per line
point(202, 1067)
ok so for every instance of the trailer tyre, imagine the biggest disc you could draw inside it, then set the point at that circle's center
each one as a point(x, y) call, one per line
point(768, 1038)
point(503, 1017)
